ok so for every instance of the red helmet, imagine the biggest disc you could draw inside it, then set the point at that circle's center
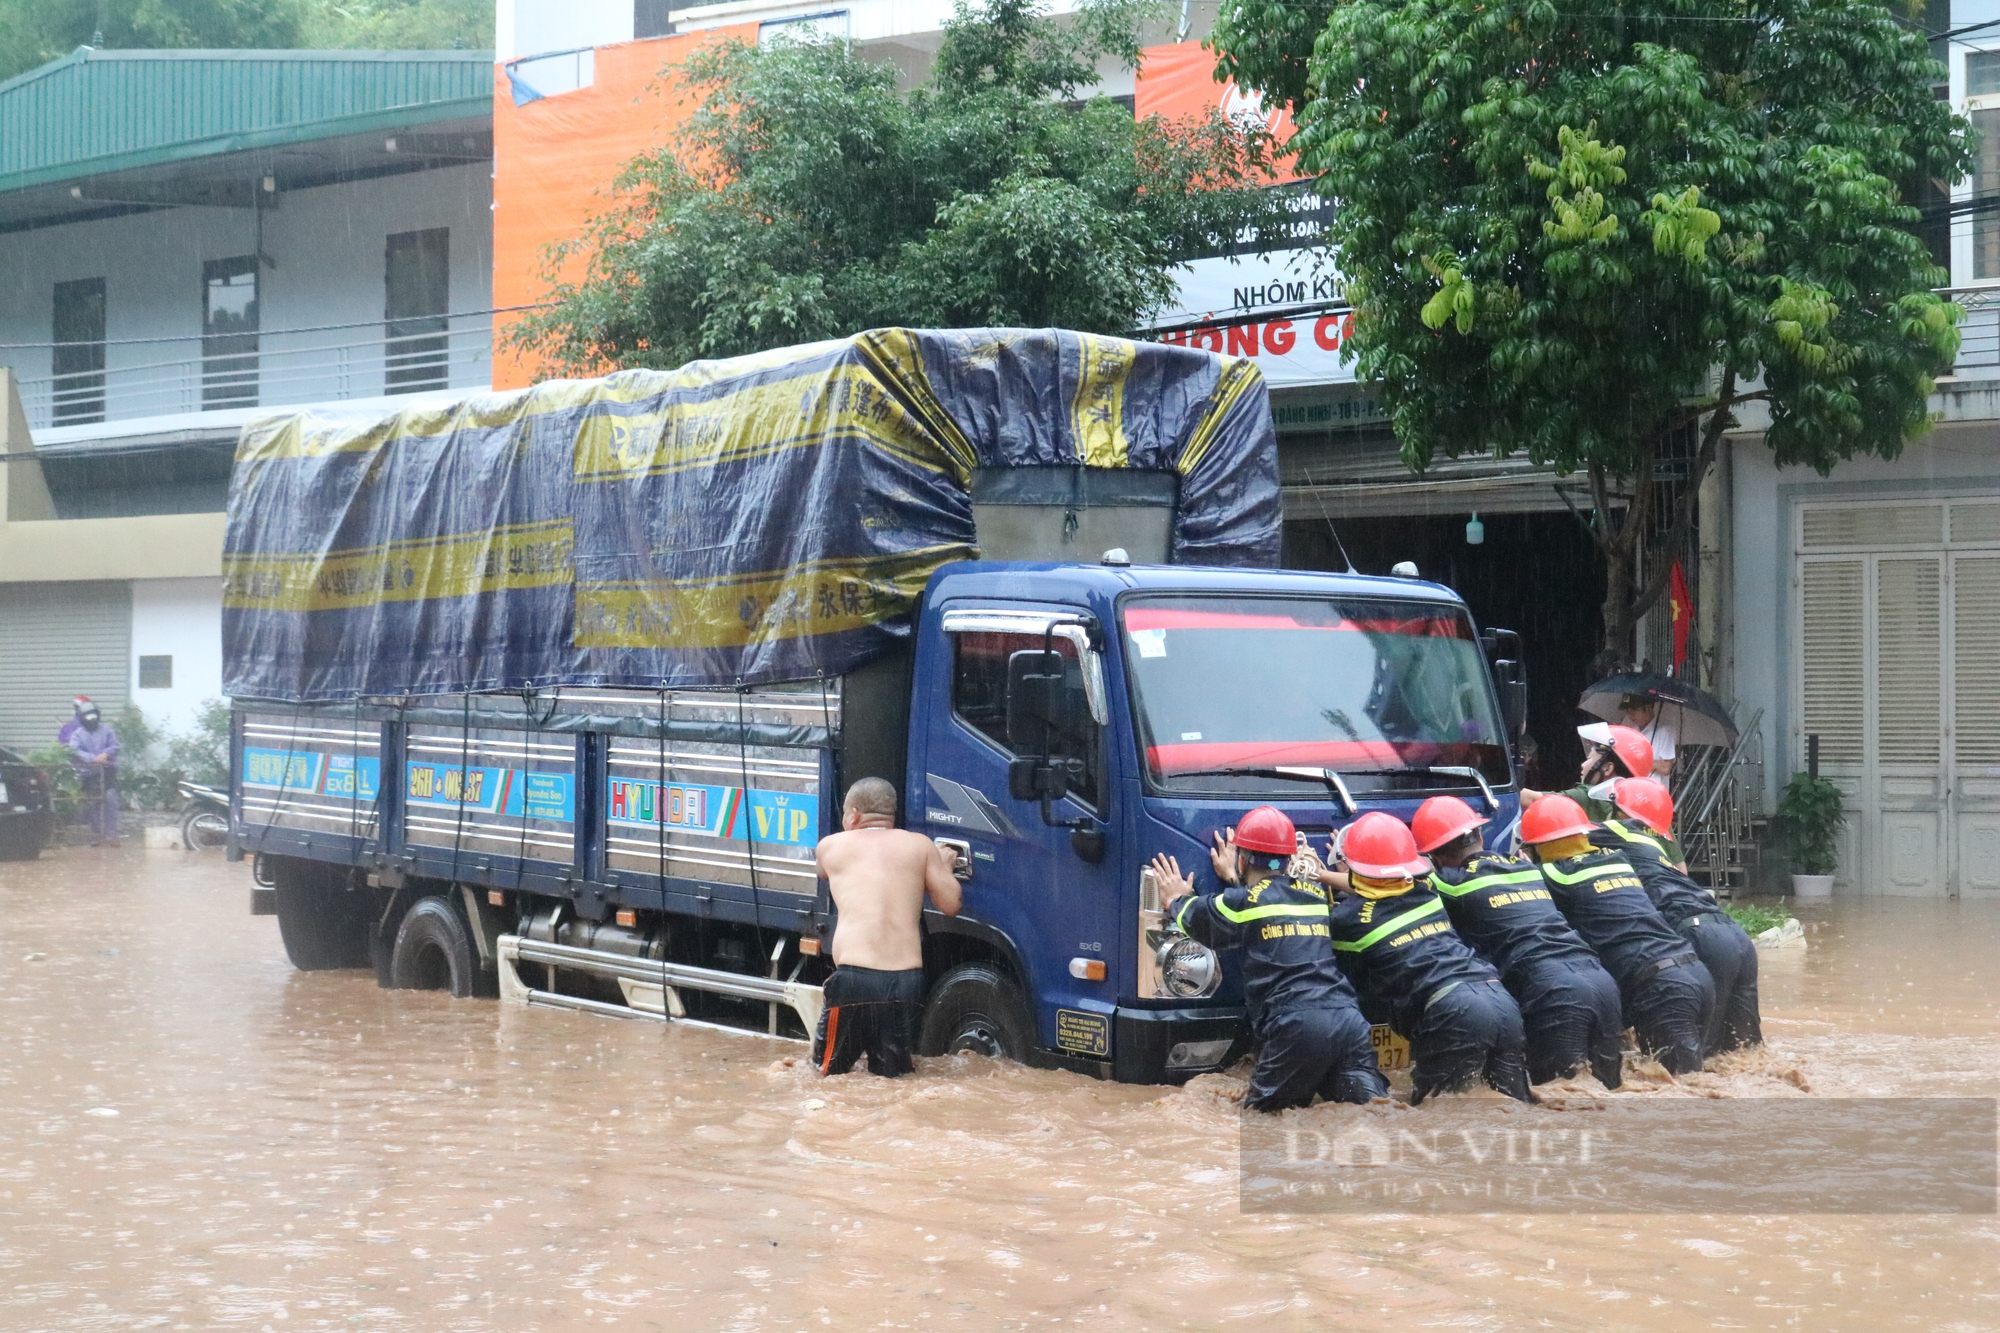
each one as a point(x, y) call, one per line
point(1267, 830)
point(1634, 751)
point(1551, 818)
point(1647, 801)
point(1380, 846)
point(1443, 819)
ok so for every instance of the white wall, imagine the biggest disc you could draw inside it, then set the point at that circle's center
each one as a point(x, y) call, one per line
point(530, 27)
point(328, 247)
point(181, 618)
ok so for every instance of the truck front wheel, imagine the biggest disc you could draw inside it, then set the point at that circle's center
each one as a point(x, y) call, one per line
point(323, 924)
point(976, 1007)
point(434, 951)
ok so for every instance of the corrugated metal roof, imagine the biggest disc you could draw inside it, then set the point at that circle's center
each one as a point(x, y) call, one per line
point(98, 111)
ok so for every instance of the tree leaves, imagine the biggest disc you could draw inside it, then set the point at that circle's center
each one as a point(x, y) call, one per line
point(807, 198)
point(1455, 300)
point(33, 32)
point(1681, 226)
point(1732, 209)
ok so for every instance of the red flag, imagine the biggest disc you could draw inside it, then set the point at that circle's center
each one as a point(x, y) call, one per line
point(1682, 607)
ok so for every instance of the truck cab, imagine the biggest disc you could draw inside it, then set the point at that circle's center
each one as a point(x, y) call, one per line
point(1068, 722)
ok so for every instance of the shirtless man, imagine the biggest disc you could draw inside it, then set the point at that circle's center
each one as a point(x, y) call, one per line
point(878, 875)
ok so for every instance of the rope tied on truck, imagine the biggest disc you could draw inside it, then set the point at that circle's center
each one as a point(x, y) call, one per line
point(659, 809)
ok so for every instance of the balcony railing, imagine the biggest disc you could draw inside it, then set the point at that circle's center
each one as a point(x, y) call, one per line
point(153, 377)
point(1979, 331)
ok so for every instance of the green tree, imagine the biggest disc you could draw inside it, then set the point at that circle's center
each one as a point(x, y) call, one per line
point(807, 198)
point(1595, 235)
point(33, 32)
point(398, 25)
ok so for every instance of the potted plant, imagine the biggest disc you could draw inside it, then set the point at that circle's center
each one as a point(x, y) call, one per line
point(1811, 818)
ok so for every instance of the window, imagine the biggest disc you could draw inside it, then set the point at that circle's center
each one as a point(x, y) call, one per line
point(1986, 185)
point(417, 274)
point(1982, 90)
point(156, 673)
point(1982, 73)
point(828, 26)
point(229, 332)
point(979, 698)
point(1373, 689)
point(652, 18)
point(79, 352)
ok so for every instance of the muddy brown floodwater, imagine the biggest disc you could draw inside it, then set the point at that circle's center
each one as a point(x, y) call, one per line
point(193, 1136)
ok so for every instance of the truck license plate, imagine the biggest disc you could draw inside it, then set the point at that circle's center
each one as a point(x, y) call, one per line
point(1392, 1051)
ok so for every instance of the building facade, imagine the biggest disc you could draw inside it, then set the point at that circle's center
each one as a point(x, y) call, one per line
point(187, 241)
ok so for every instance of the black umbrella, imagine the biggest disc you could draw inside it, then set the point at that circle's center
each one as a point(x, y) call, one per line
point(1697, 717)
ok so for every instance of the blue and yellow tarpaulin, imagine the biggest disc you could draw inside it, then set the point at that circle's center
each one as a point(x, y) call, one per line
point(770, 517)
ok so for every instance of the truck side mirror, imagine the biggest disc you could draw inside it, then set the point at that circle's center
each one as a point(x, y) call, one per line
point(1514, 706)
point(1035, 778)
point(1034, 698)
point(1502, 648)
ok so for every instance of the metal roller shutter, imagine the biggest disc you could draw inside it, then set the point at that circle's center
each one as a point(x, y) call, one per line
point(58, 640)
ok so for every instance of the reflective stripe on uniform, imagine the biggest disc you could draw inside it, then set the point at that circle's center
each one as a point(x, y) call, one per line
point(1487, 882)
point(1389, 927)
point(1264, 913)
point(1261, 913)
point(1223, 910)
point(1640, 836)
point(1581, 876)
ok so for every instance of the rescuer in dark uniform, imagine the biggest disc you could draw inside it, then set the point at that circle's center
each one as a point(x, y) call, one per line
point(1610, 752)
point(1302, 1009)
point(1499, 906)
point(1724, 947)
point(1669, 996)
point(1394, 938)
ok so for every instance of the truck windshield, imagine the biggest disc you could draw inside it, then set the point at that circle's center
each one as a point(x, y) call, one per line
point(1362, 686)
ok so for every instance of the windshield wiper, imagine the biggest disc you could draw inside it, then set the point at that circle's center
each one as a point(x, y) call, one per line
point(1326, 776)
point(1334, 779)
point(1449, 771)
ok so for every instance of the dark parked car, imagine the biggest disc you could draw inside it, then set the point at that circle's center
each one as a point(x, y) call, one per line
point(26, 818)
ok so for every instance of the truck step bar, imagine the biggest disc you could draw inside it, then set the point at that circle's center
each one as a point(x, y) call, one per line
point(651, 988)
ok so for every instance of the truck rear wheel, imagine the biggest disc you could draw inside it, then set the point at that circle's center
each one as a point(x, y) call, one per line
point(434, 951)
point(978, 1008)
point(323, 923)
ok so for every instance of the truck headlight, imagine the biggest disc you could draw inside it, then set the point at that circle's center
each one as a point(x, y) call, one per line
point(1189, 969)
point(1171, 964)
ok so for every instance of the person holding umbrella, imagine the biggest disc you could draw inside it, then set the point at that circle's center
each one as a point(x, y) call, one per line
point(1643, 714)
point(1667, 711)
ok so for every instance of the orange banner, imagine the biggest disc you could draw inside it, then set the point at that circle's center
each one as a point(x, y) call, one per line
point(554, 159)
point(1178, 81)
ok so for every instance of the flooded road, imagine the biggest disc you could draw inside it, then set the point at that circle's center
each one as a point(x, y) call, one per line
point(194, 1136)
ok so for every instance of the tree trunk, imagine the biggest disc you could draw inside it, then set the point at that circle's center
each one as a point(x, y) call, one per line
point(1619, 625)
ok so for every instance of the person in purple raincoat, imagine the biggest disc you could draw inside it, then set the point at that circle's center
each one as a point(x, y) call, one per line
point(68, 729)
point(94, 754)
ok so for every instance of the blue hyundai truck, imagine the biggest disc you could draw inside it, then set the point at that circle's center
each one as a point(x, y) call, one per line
point(511, 768)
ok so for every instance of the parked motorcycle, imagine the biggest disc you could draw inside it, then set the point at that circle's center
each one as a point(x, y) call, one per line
point(205, 824)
